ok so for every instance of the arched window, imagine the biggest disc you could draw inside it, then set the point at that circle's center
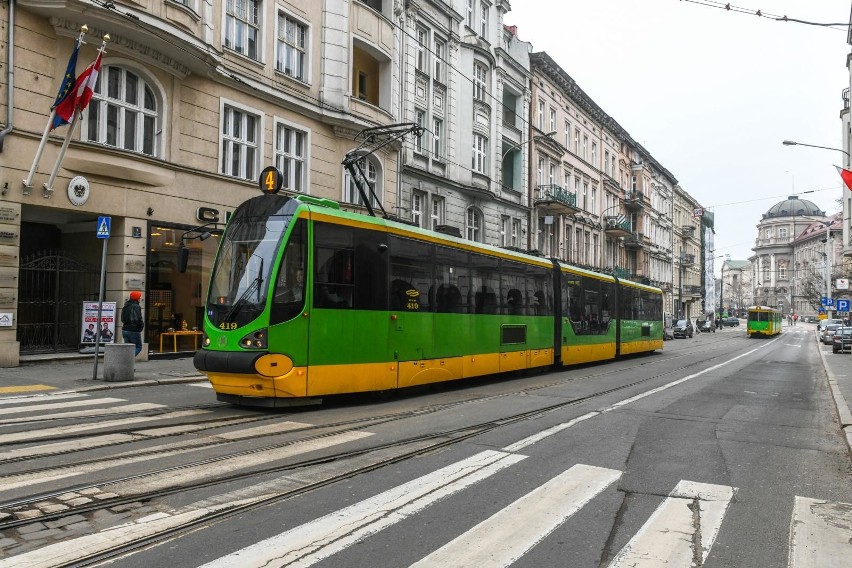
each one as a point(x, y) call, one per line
point(124, 112)
point(473, 230)
point(371, 168)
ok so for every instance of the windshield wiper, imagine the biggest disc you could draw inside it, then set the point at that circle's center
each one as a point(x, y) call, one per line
point(254, 286)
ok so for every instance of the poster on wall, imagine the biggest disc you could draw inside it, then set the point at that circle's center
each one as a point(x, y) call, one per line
point(89, 324)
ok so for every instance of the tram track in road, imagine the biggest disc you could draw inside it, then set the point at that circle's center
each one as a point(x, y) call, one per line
point(417, 445)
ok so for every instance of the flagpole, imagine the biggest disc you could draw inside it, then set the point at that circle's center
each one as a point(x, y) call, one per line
point(48, 187)
point(28, 182)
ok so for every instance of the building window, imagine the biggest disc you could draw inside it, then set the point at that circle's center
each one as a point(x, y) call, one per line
point(440, 50)
point(479, 77)
point(474, 224)
point(516, 232)
point(551, 174)
point(290, 153)
point(552, 120)
point(420, 119)
point(586, 195)
point(123, 112)
point(369, 167)
point(540, 179)
point(594, 200)
point(782, 273)
point(606, 162)
point(418, 198)
point(422, 41)
point(541, 115)
point(577, 141)
point(483, 19)
point(480, 154)
point(240, 135)
point(586, 148)
point(437, 216)
point(242, 26)
point(782, 231)
point(567, 134)
point(290, 55)
point(505, 227)
point(469, 13)
point(595, 154)
point(437, 134)
point(633, 183)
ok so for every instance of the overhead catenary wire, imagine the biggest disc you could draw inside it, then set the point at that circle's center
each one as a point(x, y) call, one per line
point(727, 6)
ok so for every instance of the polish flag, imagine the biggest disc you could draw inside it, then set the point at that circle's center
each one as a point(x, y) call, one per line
point(846, 176)
point(87, 80)
point(78, 98)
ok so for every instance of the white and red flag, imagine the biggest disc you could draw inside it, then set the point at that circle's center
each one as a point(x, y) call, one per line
point(846, 176)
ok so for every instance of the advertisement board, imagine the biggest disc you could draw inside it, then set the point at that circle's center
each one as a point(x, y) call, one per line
point(89, 323)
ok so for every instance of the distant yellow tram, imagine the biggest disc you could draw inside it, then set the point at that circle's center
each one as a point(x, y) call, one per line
point(763, 320)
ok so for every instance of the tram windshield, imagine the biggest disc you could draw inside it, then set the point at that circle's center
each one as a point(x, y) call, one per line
point(246, 258)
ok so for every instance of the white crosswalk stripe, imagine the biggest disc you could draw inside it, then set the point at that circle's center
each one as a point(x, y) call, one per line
point(819, 534)
point(509, 534)
point(669, 536)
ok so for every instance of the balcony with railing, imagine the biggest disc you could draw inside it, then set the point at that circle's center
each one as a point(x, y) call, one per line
point(687, 231)
point(687, 259)
point(633, 200)
point(692, 290)
point(617, 226)
point(634, 241)
point(556, 199)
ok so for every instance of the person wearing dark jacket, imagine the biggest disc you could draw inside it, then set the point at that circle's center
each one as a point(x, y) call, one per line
point(132, 323)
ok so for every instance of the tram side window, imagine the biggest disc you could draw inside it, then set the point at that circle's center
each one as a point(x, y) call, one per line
point(607, 295)
point(592, 320)
point(539, 291)
point(485, 283)
point(289, 296)
point(572, 301)
point(513, 298)
point(410, 274)
point(452, 281)
point(629, 300)
point(653, 305)
point(334, 266)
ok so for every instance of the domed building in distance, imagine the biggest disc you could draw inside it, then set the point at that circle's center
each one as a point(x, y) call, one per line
point(772, 264)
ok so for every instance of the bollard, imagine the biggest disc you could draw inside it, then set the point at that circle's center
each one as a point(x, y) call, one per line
point(119, 361)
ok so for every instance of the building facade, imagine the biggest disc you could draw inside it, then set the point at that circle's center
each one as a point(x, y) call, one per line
point(192, 101)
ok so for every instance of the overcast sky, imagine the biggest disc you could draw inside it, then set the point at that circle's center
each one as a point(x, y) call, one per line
point(712, 93)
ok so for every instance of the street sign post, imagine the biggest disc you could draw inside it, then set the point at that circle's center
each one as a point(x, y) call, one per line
point(102, 232)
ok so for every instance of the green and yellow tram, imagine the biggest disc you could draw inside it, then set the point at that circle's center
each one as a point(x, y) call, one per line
point(763, 320)
point(307, 300)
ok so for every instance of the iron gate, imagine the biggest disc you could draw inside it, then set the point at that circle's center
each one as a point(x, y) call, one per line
point(52, 288)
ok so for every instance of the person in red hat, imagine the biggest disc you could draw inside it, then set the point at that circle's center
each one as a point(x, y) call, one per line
point(132, 323)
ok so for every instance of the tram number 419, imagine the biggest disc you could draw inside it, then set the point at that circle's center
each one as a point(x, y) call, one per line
point(226, 325)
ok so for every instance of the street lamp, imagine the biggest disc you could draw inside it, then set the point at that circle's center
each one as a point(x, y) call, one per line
point(535, 138)
point(793, 143)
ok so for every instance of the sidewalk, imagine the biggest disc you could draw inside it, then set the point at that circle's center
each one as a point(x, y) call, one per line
point(73, 371)
point(839, 372)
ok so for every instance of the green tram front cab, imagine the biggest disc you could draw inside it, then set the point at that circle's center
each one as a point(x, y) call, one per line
point(763, 321)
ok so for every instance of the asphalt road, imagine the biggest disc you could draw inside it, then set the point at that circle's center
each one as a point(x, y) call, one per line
point(703, 455)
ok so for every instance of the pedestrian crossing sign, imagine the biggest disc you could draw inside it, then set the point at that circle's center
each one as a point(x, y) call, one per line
point(103, 227)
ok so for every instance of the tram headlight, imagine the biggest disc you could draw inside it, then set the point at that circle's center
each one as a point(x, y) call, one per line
point(205, 339)
point(254, 340)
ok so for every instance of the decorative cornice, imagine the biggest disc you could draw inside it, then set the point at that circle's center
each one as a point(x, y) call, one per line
point(69, 28)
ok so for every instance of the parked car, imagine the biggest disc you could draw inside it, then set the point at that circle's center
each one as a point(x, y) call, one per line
point(841, 342)
point(829, 331)
point(684, 329)
point(708, 325)
point(731, 322)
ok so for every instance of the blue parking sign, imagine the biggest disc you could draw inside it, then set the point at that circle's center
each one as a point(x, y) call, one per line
point(842, 305)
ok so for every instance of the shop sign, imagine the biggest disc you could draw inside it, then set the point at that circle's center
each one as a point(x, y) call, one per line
point(88, 327)
point(8, 235)
point(8, 213)
point(210, 215)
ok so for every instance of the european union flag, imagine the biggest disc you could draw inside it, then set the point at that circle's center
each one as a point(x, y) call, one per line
point(66, 88)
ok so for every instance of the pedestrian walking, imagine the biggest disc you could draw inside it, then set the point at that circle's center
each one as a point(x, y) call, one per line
point(132, 323)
